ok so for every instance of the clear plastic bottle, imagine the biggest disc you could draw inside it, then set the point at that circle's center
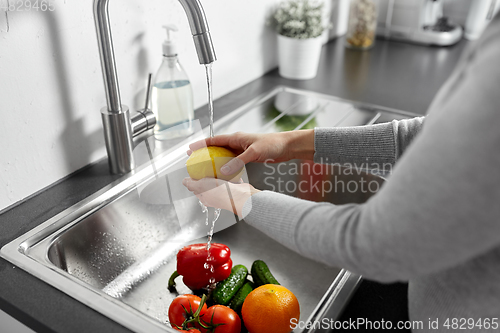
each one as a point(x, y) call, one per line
point(172, 98)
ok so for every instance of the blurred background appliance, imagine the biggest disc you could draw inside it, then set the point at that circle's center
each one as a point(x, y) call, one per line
point(417, 21)
point(480, 14)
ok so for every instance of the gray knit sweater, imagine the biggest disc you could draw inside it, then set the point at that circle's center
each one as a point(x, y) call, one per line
point(436, 221)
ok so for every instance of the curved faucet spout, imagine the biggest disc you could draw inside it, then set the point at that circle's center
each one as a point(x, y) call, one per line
point(116, 117)
point(199, 29)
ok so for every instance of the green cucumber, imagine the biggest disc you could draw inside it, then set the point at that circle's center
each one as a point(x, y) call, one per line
point(261, 274)
point(226, 289)
point(237, 301)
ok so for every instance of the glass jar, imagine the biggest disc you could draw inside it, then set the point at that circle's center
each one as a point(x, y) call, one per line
point(362, 24)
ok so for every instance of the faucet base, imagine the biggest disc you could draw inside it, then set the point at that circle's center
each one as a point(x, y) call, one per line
point(118, 137)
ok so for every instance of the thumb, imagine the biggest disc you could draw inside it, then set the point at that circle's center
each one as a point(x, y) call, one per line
point(238, 162)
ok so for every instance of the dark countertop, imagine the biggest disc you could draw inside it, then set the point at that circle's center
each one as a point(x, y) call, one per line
point(397, 75)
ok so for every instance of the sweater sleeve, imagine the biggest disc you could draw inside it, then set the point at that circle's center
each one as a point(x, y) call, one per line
point(376, 144)
point(439, 208)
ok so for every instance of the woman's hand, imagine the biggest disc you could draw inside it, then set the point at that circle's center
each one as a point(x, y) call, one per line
point(219, 193)
point(271, 147)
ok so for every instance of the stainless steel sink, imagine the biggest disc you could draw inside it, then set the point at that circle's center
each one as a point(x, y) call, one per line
point(115, 250)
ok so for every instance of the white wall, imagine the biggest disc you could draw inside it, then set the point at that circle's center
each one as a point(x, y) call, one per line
point(51, 87)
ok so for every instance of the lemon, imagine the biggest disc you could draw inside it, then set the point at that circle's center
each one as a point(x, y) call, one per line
point(207, 161)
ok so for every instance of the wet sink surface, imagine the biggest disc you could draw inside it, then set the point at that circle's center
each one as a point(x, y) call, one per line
point(115, 250)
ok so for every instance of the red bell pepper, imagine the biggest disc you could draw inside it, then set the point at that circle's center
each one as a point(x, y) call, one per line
point(197, 271)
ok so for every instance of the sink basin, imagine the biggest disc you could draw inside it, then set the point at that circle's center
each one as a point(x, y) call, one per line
point(115, 250)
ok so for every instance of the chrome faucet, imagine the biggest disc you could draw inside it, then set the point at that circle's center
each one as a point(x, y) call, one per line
point(119, 127)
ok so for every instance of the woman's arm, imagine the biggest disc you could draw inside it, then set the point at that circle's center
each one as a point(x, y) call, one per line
point(378, 144)
point(440, 206)
point(374, 144)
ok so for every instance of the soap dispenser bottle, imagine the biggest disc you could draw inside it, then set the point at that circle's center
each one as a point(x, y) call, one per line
point(172, 99)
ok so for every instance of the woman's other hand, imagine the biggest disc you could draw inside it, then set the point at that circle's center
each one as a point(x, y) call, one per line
point(219, 193)
point(270, 147)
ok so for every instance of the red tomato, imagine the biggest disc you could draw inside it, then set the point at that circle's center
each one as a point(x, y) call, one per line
point(183, 307)
point(229, 320)
point(189, 331)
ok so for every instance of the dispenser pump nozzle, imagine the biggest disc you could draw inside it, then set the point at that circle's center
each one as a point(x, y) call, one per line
point(169, 48)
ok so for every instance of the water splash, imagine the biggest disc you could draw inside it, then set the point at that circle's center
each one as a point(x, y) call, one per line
point(204, 209)
point(211, 232)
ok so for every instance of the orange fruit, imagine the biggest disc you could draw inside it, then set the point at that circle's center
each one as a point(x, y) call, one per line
point(270, 309)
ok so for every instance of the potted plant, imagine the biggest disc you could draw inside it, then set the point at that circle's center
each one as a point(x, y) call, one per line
point(299, 26)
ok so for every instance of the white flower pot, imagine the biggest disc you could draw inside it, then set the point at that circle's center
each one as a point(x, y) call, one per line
point(299, 58)
point(295, 104)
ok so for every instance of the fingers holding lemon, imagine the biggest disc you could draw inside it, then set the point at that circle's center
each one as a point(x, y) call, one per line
point(206, 162)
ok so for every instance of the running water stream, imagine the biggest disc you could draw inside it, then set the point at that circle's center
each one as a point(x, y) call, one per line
point(217, 211)
point(208, 69)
